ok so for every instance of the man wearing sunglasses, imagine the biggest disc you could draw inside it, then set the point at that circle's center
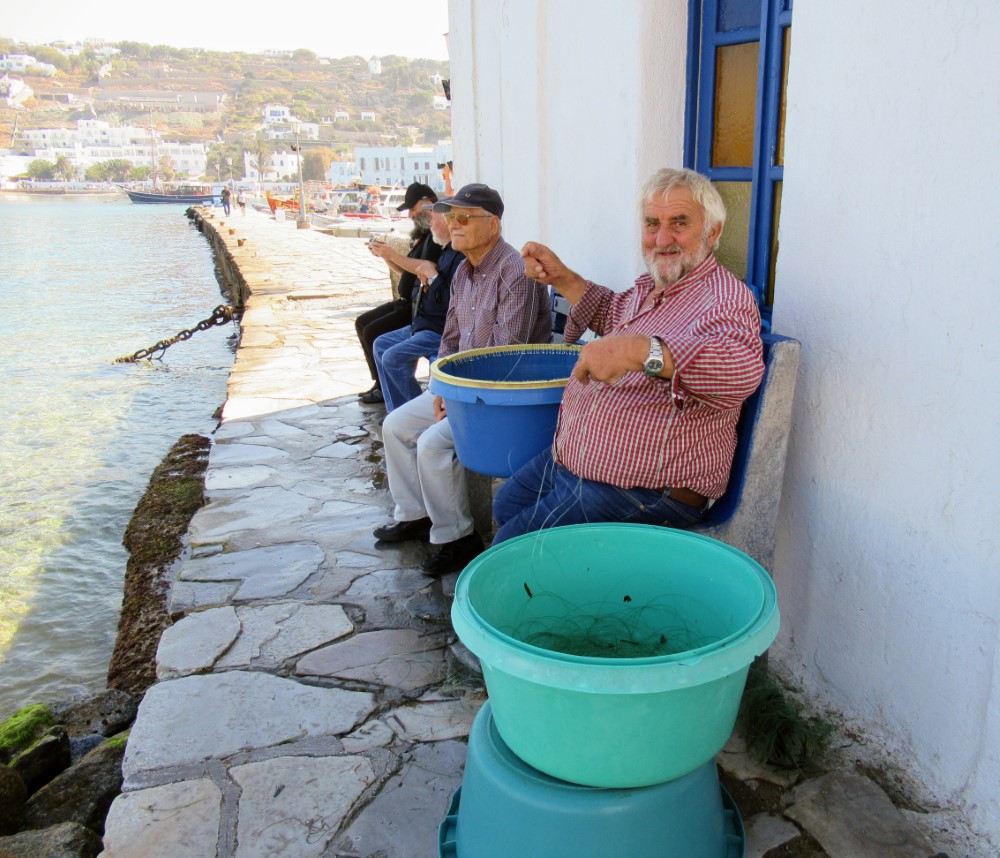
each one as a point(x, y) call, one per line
point(492, 303)
point(647, 425)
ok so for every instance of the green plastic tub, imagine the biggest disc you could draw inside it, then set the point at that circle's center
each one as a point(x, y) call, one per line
point(615, 655)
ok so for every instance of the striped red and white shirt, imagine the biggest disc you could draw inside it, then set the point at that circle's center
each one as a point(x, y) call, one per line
point(494, 304)
point(677, 432)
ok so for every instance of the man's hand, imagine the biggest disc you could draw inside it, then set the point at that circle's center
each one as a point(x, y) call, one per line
point(541, 264)
point(609, 358)
point(426, 271)
point(439, 410)
point(379, 249)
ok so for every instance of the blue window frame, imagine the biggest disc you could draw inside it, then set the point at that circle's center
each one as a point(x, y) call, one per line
point(716, 25)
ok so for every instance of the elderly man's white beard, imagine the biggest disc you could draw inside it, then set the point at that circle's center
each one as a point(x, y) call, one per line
point(667, 265)
point(440, 238)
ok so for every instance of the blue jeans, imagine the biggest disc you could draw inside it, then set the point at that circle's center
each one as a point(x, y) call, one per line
point(542, 494)
point(396, 354)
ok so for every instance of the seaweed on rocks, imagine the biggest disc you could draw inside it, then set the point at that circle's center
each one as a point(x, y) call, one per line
point(155, 540)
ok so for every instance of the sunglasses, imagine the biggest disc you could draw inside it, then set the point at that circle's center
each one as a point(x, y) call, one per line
point(462, 219)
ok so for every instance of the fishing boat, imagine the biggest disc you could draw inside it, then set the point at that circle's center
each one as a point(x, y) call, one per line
point(197, 195)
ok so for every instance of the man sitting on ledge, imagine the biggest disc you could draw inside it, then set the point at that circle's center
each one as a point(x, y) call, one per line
point(647, 426)
point(492, 303)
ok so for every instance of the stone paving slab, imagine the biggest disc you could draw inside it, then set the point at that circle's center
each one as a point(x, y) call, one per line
point(852, 817)
point(198, 718)
point(178, 820)
point(294, 806)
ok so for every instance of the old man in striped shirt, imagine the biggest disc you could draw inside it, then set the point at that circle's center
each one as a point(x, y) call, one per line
point(647, 427)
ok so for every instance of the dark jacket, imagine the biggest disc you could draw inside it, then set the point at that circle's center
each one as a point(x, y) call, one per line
point(433, 307)
point(425, 248)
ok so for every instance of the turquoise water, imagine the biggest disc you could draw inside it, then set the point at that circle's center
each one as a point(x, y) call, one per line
point(83, 281)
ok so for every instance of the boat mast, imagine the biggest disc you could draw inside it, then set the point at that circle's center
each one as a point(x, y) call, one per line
point(156, 169)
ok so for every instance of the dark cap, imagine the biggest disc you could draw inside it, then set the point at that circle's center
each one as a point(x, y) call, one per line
point(473, 197)
point(414, 194)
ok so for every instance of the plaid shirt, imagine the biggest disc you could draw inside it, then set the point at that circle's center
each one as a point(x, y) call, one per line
point(675, 432)
point(494, 304)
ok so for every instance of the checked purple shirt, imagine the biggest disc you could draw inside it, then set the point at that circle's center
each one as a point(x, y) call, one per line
point(494, 304)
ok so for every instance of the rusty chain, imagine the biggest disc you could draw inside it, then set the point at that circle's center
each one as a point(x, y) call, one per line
point(220, 315)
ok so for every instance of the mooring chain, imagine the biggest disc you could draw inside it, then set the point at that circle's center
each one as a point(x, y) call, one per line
point(220, 315)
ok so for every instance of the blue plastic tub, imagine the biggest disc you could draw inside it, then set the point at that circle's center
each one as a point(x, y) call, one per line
point(505, 808)
point(615, 655)
point(503, 402)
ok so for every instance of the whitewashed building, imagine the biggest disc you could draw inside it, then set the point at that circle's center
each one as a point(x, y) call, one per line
point(25, 64)
point(94, 141)
point(401, 165)
point(855, 146)
point(14, 91)
point(277, 114)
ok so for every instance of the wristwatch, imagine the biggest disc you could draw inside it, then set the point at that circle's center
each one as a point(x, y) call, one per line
point(653, 364)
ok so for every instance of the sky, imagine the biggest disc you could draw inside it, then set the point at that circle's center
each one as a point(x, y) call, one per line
point(332, 28)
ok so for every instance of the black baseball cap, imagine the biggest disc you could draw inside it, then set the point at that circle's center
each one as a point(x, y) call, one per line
point(414, 194)
point(473, 196)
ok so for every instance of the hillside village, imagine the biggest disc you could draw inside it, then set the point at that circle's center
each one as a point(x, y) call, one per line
point(99, 111)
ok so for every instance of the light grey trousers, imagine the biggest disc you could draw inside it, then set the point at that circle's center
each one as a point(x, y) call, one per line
point(425, 476)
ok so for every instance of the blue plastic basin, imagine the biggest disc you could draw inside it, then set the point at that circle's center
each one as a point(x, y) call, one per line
point(615, 655)
point(505, 809)
point(503, 402)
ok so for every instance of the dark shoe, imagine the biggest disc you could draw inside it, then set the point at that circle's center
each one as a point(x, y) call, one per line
point(453, 556)
point(399, 531)
point(373, 396)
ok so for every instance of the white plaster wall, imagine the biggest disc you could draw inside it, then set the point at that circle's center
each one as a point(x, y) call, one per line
point(565, 107)
point(887, 560)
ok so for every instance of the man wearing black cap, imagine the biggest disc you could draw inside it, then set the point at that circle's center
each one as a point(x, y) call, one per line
point(492, 303)
point(396, 314)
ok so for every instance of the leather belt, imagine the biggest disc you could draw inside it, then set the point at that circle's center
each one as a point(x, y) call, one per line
point(687, 496)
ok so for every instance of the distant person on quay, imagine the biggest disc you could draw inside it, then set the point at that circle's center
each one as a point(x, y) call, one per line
point(398, 352)
point(492, 303)
point(647, 425)
point(241, 201)
point(396, 314)
point(226, 197)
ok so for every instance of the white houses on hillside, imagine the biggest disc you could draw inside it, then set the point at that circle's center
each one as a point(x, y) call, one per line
point(94, 141)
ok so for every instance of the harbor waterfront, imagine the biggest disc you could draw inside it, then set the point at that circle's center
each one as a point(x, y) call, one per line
point(84, 280)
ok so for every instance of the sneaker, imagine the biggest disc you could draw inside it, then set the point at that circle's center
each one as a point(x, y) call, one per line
point(373, 396)
point(453, 556)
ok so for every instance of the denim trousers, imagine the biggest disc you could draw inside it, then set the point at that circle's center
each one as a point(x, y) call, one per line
point(396, 354)
point(542, 494)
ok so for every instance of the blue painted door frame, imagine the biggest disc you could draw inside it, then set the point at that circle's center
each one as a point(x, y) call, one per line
point(705, 35)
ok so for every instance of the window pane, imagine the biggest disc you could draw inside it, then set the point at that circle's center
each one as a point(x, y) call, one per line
point(776, 217)
point(735, 105)
point(784, 89)
point(732, 250)
point(735, 14)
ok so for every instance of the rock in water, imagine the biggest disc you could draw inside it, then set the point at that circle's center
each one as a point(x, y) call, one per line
point(83, 793)
point(68, 840)
point(49, 756)
point(12, 796)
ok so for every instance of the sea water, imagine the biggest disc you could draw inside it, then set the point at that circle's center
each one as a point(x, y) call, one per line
point(84, 280)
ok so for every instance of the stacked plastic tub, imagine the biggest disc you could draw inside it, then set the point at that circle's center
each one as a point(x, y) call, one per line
point(503, 402)
point(615, 657)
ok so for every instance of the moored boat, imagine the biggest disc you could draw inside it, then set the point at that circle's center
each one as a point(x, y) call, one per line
point(186, 194)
